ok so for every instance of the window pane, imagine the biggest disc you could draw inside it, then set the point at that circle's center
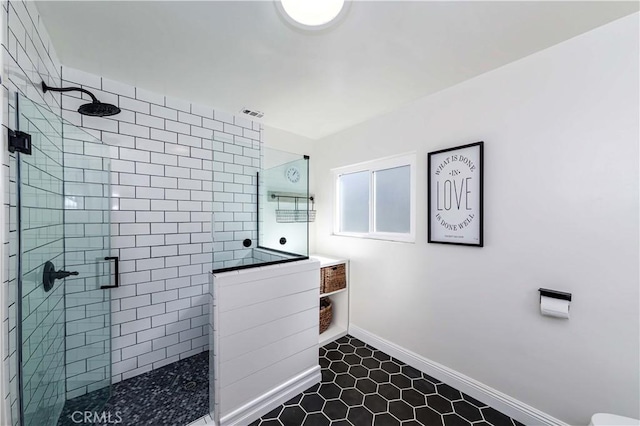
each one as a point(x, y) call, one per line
point(392, 195)
point(354, 202)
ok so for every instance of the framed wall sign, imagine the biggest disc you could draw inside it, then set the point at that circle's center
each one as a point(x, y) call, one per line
point(455, 195)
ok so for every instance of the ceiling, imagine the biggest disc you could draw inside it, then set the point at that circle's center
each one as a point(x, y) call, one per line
point(236, 54)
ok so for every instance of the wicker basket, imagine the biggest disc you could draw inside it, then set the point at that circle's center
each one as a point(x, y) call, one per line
point(325, 314)
point(333, 278)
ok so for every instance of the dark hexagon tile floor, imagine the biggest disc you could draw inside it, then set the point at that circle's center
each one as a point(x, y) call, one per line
point(362, 386)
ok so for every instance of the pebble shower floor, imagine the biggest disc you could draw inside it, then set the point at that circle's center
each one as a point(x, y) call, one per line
point(173, 395)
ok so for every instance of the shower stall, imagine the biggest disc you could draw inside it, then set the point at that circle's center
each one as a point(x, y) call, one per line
point(260, 213)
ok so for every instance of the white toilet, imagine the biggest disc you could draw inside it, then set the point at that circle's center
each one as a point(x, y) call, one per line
point(604, 419)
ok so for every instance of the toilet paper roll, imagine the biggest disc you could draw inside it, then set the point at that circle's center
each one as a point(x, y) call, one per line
point(553, 307)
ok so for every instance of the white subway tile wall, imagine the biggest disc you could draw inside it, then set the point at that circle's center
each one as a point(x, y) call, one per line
point(29, 58)
point(174, 167)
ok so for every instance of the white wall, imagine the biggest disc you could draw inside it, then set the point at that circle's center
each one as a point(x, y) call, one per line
point(561, 211)
point(286, 141)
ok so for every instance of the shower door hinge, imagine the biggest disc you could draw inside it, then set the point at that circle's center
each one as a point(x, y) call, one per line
point(20, 142)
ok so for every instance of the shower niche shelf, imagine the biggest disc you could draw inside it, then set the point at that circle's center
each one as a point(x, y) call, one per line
point(339, 300)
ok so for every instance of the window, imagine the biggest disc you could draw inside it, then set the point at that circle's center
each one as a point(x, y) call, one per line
point(376, 199)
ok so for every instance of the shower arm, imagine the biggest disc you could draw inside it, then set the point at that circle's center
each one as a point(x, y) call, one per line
point(46, 88)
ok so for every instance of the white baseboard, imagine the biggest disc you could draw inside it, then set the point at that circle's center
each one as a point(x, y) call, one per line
point(504, 403)
point(260, 406)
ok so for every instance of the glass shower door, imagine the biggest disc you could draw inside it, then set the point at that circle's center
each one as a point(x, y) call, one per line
point(65, 328)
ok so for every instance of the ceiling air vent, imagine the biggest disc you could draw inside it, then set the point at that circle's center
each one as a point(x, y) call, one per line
point(252, 113)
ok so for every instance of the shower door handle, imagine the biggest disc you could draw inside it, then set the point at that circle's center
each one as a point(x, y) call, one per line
point(117, 273)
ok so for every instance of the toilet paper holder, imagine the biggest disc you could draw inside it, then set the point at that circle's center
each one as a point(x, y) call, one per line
point(554, 294)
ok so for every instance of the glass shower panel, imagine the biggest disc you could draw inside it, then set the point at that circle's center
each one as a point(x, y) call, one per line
point(268, 222)
point(41, 222)
point(64, 328)
point(285, 205)
point(87, 246)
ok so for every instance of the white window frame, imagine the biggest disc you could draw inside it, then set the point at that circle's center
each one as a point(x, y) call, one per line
point(407, 159)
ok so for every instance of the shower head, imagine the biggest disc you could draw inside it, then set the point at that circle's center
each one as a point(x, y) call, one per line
point(98, 109)
point(94, 109)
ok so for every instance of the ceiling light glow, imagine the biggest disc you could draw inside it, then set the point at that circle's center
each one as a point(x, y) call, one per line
point(312, 13)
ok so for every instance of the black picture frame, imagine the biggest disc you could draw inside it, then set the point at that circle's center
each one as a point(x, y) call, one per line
point(456, 167)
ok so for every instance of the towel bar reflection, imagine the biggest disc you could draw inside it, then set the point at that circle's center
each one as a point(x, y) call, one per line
point(296, 214)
